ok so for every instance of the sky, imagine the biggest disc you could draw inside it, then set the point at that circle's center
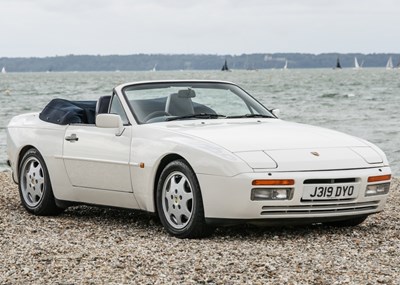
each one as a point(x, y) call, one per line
point(40, 28)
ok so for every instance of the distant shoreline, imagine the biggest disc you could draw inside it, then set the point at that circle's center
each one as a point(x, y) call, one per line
point(169, 62)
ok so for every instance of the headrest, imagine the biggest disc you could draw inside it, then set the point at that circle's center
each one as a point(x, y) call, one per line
point(102, 104)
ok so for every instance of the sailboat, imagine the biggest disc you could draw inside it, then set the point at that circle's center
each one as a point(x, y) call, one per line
point(154, 68)
point(3, 70)
point(389, 64)
point(225, 66)
point(356, 65)
point(338, 64)
point(286, 65)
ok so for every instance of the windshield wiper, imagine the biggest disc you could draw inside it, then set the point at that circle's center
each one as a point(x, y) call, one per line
point(250, 116)
point(196, 116)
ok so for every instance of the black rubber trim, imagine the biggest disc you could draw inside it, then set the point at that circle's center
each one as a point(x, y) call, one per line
point(278, 221)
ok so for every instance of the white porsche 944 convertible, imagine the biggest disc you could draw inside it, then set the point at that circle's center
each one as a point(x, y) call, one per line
point(198, 154)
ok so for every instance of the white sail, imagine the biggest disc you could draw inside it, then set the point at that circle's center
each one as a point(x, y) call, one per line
point(3, 70)
point(389, 64)
point(356, 65)
point(286, 65)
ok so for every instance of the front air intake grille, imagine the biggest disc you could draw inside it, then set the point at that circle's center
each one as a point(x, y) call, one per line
point(320, 208)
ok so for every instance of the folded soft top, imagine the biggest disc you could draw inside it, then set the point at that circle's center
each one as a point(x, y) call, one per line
point(64, 112)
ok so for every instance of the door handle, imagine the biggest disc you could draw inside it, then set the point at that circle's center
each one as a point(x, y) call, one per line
point(72, 138)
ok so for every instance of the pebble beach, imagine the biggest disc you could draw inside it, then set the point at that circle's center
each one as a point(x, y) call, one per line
point(93, 245)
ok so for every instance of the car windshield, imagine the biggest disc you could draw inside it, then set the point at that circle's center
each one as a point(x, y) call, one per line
point(159, 102)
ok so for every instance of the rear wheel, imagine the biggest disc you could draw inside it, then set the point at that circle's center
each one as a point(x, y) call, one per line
point(179, 202)
point(34, 185)
point(349, 222)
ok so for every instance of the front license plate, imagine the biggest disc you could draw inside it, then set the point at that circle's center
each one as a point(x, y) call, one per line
point(329, 191)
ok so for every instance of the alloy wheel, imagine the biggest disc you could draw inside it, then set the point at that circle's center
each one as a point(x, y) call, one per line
point(32, 181)
point(177, 200)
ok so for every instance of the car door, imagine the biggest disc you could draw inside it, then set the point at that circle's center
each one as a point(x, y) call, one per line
point(98, 157)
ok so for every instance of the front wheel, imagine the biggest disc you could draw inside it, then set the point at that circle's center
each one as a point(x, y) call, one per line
point(179, 202)
point(35, 187)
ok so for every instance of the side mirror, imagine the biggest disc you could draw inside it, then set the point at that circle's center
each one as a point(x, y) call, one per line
point(276, 112)
point(110, 121)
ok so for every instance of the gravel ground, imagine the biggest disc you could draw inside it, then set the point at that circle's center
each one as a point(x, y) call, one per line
point(89, 245)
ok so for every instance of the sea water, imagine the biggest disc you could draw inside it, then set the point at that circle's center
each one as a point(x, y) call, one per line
point(363, 103)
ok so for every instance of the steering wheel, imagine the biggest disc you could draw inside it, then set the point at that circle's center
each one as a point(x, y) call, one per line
point(155, 115)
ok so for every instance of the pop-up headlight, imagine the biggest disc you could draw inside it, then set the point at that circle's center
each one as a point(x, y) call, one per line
point(257, 159)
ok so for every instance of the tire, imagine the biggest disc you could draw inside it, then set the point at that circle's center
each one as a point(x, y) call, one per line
point(349, 222)
point(34, 185)
point(179, 202)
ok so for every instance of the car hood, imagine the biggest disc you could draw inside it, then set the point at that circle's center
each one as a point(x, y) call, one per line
point(271, 134)
point(273, 143)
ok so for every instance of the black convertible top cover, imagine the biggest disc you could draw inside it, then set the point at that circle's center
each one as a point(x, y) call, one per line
point(64, 112)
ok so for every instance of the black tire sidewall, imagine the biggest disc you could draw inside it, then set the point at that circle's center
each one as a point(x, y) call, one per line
point(196, 225)
point(46, 205)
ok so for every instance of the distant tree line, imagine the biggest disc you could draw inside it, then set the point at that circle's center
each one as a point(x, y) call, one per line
point(141, 62)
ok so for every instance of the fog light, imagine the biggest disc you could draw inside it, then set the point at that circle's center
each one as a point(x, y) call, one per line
point(271, 193)
point(377, 189)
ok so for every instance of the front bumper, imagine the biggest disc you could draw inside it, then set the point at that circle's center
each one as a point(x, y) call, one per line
point(229, 197)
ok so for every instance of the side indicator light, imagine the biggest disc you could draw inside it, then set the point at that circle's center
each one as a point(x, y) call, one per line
point(379, 178)
point(264, 182)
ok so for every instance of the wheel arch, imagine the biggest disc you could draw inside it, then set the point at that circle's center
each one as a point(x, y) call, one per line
point(163, 163)
point(195, 226)
point(21, 154)
point(47, 204)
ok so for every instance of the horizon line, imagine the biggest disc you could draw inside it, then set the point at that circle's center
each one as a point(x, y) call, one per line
point(208, 54)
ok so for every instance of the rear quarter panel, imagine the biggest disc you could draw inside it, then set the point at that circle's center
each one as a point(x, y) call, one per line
point(28, 131)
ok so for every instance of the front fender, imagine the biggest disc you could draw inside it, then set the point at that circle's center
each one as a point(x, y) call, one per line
point(150, 147)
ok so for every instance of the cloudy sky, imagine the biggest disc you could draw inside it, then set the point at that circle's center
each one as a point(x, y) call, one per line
point(60, 27)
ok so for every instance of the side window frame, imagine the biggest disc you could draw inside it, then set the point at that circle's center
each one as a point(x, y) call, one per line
point(119, 109)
